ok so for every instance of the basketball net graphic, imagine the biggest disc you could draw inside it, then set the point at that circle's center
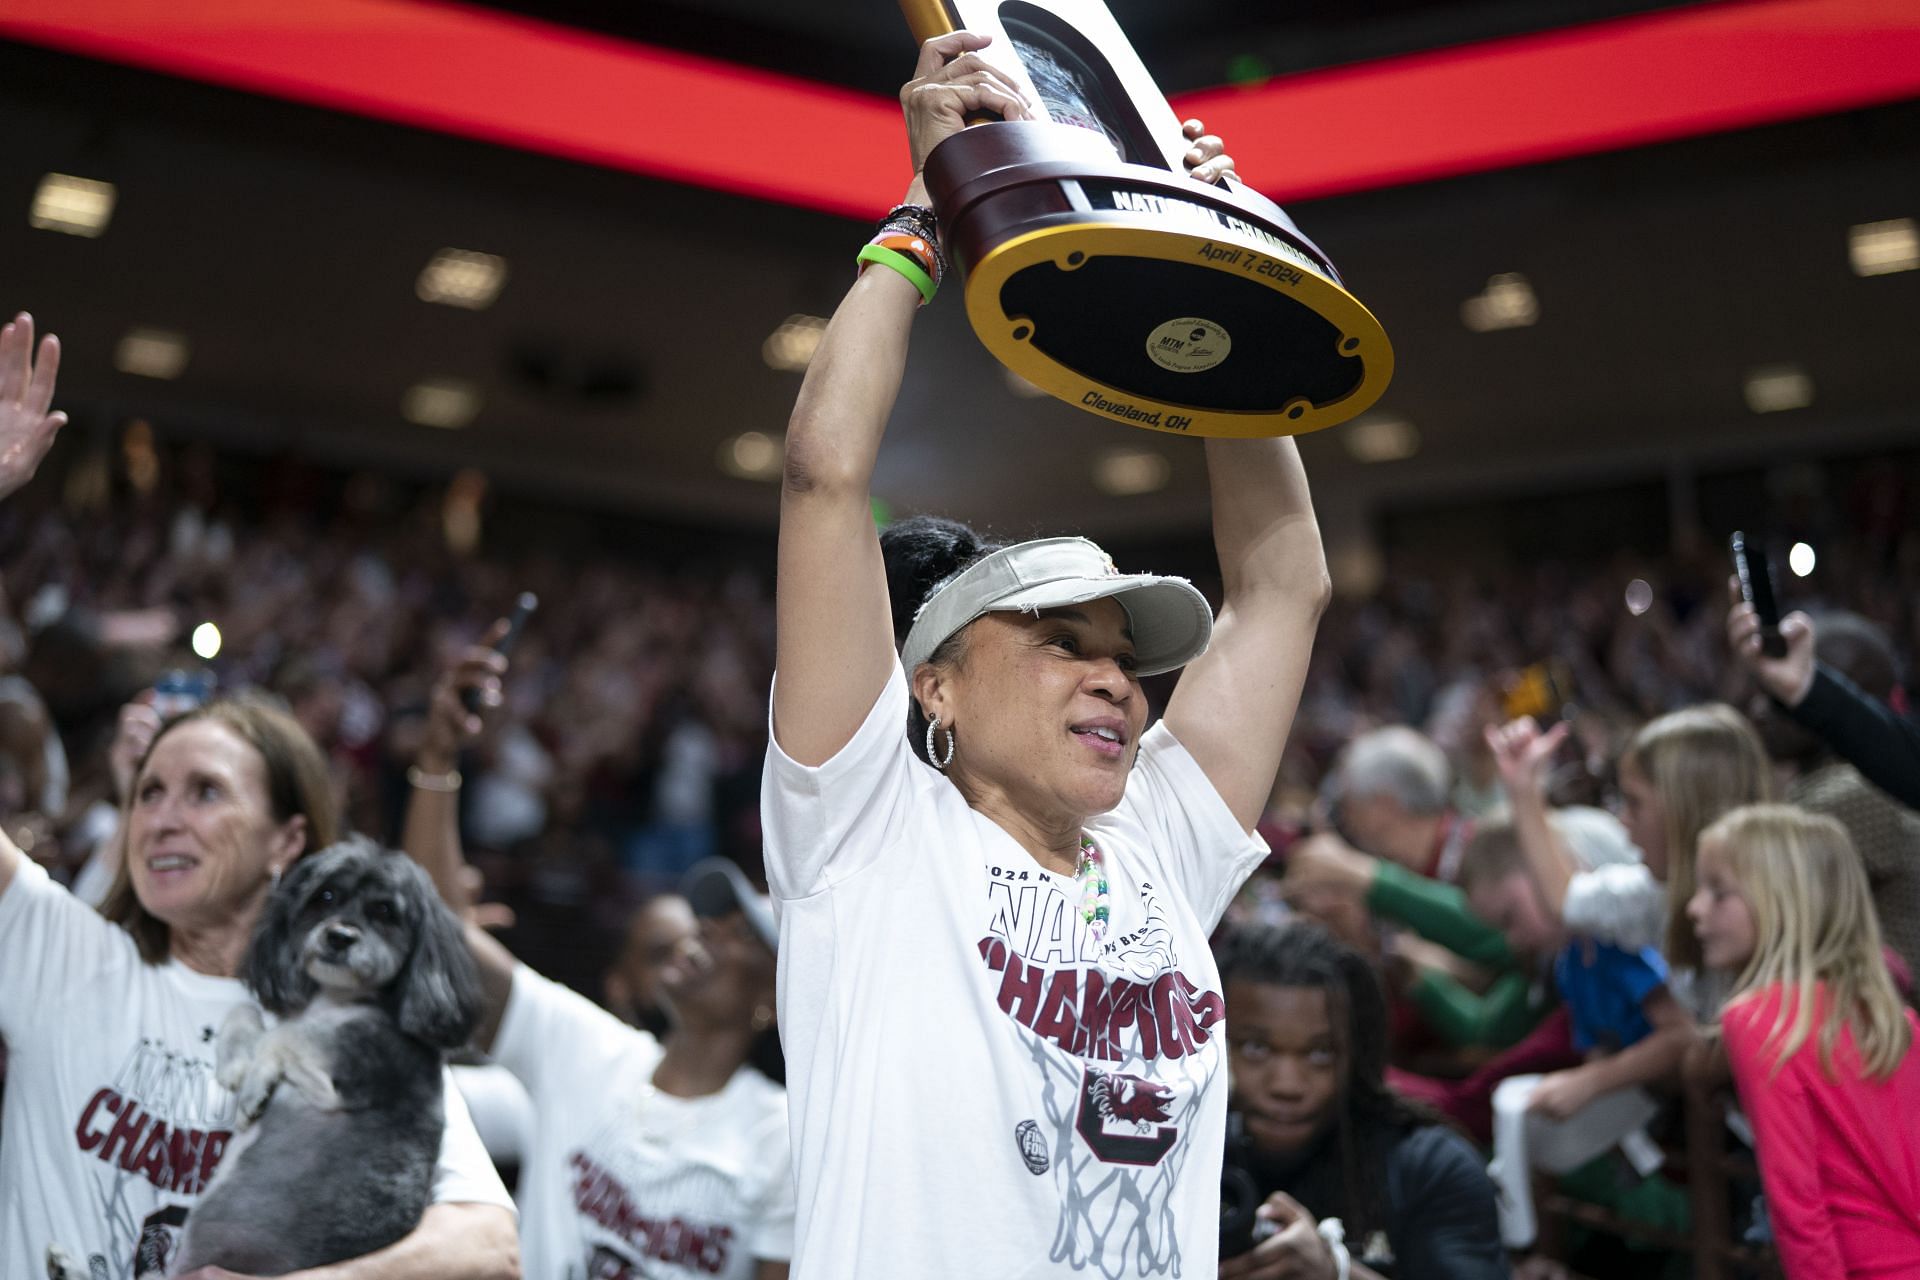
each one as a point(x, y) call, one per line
point(1116, 1132)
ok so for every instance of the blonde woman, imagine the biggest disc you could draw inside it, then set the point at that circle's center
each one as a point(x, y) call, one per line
point(1818, 1040)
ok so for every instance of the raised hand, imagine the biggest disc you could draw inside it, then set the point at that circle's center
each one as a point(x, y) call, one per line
point(450, 726)
point(1788, 678)
point(1522, 753)
point(27, 426)
point(951, 83)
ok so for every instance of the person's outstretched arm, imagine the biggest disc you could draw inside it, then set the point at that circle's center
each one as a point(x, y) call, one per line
point(834, 644)
point(1650, 1060)
point(1883, 745)
point(1867, 733)
point(27, 428)
point(1234, 705)
point(1521, 752)
point(431, 830)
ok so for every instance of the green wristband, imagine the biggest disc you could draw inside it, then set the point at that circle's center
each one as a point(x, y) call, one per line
point(903, 264)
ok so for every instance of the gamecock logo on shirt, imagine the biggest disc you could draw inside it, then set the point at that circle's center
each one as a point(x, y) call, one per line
point(1122, 1118)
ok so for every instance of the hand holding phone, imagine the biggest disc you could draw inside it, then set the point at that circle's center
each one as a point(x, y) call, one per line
point(1755, 572)
point(522, 610)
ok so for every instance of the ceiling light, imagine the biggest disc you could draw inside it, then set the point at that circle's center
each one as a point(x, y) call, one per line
point(1882, 248)
point(152, 353)
point(1775, 388)
point(462, 278)
point(206, 642)
point(790, 347)
point(1126, 473)
point(1382, 439)
point(751, 455)
point(1801, 559)
point(77, 206)
point(1506, 303)
point(1639, 596)
point(441, 402)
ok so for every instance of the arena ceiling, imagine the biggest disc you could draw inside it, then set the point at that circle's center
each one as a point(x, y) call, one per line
point(285, 240)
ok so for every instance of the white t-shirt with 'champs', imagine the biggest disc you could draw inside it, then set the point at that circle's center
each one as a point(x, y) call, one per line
point(977, 1088)
point(622, 1180)
point(114, 1121)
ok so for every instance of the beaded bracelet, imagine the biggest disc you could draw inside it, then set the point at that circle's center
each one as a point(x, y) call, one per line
point(917, 220)
point(918, 214)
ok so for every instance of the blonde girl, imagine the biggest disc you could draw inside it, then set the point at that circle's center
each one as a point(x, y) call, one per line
point(1817, 1038)
point(1680, 773)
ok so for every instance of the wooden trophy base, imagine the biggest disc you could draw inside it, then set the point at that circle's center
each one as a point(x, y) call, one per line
point(1145, 297)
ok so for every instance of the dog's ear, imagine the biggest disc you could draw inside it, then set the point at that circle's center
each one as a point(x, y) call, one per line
point(440, 988)
point(273, 971)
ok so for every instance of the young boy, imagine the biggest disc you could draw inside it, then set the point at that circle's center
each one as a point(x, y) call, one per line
point(1623, 1018)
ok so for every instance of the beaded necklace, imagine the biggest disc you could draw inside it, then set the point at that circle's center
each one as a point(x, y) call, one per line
point(1093, 889)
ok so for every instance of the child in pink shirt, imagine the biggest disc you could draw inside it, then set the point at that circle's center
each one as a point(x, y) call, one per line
point(1818, 1040)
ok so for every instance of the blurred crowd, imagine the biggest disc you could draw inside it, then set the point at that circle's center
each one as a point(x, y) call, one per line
point(629, 740)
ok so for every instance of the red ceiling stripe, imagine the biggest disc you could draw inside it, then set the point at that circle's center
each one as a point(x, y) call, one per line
point(1574, 91)
point(592, 98)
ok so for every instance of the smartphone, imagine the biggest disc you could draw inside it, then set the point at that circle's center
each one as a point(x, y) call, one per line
point(1751, 566)
point(522, 610)
point(180, 691)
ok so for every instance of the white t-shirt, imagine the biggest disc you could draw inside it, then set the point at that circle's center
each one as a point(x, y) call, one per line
point(623, 1180)
point(979, 1090)
point(114, 1121)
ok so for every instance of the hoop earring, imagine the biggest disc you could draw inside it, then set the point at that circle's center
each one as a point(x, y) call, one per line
point(932, 758)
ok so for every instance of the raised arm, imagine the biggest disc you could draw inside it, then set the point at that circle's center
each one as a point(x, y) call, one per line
point(835, 636)
point(431, 833)
point(1521, 753)
point(27, 428)
point(1233, 707)
point(1861, 729)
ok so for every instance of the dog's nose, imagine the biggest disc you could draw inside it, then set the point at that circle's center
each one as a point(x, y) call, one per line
point(339, 937)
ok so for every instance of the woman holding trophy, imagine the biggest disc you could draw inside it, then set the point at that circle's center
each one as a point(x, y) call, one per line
point(996, 882)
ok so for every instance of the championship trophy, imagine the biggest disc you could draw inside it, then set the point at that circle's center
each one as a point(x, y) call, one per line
point(1099, 271)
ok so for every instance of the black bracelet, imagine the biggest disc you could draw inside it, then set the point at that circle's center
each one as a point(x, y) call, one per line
point(916, 220)
point(911, 211)
point(918, 216)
